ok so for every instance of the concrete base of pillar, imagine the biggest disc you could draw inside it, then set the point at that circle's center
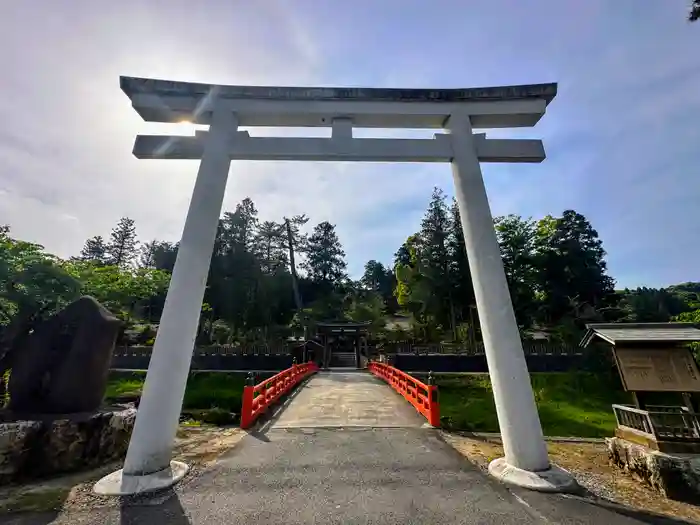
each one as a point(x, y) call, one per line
point(554, 479)
point(117, 484)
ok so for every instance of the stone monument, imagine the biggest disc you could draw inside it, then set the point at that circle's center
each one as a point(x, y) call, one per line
point(54, 421)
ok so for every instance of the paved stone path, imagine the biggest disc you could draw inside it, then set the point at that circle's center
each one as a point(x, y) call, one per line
point(347, 399)
point(322, 460)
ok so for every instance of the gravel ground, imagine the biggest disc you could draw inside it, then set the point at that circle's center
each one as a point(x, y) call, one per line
point(588, 462)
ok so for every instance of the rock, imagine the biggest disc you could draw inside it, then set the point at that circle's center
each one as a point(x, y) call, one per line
point(63, 365)
point(42, 447)
point(676, 476)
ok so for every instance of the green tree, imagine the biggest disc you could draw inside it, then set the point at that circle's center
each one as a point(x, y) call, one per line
point(460, 274)
point(33, 285)
point(570, 268)
point(516, 238)
point(122, 290)
point(435, 260)
point(240, 227)
point(95, 249)
point(325, 259)
point(271, 246)
point(694, 11)
point(650, 305)
point(122, 245)
point(367, 306)
point(413, 289)
point(381, 280)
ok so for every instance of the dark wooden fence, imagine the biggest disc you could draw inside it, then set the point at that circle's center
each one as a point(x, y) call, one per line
point(541, 356)
point(215, 357)
point(529, 347)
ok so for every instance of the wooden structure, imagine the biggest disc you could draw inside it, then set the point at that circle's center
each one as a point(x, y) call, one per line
point(654, 358)
point(343, 343)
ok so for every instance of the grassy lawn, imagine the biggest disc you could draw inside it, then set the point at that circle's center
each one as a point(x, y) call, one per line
point(570, 404)
point(205, 390)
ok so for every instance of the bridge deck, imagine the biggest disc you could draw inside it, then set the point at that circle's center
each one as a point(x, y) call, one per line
point(346, 399)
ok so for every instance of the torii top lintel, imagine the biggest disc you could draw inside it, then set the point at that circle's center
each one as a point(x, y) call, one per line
point(489, 107)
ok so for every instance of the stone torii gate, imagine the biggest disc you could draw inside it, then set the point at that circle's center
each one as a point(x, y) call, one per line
point(148, 464)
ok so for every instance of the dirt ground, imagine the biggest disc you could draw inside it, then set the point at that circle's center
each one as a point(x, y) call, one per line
point(196, 446)
point(588, 462)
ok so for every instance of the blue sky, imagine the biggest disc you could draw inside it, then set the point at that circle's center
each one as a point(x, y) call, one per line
point(622, 136)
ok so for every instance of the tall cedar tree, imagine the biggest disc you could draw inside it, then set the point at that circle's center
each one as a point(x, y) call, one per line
point(122, 245)
point(460, 275)
point(325, 258)
point(435, 258)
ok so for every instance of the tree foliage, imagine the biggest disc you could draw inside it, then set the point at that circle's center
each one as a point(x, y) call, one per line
point(325, 258)
point(121, 248)
point(95, 250)
point(555, 268)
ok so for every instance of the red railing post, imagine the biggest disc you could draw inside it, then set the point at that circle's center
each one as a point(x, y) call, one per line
point(247, 402)
point(433, 402)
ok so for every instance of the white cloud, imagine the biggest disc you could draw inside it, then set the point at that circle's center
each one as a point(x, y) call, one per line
point(66, 171)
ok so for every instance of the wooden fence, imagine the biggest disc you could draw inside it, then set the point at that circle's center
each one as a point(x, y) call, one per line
point(210, 350)
point(529, 348)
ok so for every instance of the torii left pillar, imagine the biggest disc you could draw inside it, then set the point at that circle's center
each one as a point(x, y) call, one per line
point(148, 464)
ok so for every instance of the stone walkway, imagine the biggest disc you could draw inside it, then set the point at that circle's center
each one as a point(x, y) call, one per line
point(347, 399)
point(346, 450)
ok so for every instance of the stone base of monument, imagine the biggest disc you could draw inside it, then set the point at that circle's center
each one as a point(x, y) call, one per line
point(36, 446)
point(118, 484)
point(554, 479)
point(674, 475)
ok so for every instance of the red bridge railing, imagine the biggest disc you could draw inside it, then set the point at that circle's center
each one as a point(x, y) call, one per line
point(424, 397)
point(257, 398)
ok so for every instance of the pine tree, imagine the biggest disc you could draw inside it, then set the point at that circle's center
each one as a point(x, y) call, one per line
point(94, 250)
point(123, 243)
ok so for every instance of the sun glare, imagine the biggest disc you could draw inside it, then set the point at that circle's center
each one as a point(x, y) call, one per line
point(185, 127)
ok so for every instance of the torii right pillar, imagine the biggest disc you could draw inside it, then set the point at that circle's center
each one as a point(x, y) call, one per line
point(526, 462)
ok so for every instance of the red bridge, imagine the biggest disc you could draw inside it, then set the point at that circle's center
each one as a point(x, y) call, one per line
point(355, 398)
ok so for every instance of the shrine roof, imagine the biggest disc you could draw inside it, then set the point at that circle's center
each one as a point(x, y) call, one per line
point(616, 333)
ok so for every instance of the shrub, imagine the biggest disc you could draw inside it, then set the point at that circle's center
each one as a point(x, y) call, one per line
point(217, 416)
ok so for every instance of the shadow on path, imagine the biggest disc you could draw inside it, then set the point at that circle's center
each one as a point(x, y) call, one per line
point(164, 508)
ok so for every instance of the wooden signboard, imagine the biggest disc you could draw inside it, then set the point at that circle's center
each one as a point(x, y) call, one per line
point(657, 370)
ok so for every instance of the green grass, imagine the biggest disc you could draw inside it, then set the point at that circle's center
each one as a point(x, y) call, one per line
point(205, 390)
point(569, 404)
point(124, 384)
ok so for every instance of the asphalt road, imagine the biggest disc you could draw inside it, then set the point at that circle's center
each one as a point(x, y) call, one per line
point(332, 474)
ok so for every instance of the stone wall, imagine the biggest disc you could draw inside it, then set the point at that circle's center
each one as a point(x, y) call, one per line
point(36, 448)
point(674, 476)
